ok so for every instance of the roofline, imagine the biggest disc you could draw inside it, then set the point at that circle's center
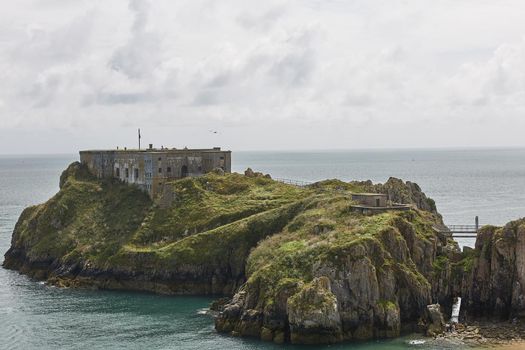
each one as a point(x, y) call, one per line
point(156, 150)
point(369, 194)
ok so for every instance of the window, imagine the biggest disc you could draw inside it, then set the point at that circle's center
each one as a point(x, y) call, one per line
point(160, 159)
point(378, 202)
point(136, 174)
point(168, 169)
point(222, 158)
point(160, 170)
point(117, 172)
point(127, 173)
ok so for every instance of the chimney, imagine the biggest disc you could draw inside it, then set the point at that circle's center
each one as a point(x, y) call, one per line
point(150, 146)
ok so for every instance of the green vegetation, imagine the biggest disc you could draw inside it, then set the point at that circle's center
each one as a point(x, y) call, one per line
point(214, 220)
point(205, 203)
point(326, 232)
point(274, 235)
point(87, 219)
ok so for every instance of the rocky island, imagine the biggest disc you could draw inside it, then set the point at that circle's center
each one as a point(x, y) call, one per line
point(296, 264)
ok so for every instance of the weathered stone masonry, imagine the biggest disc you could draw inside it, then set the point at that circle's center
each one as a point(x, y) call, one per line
point(151, 168)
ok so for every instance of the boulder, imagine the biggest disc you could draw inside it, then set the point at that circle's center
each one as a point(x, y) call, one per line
point(434, 320)
point(218, 171)
point(313, 314)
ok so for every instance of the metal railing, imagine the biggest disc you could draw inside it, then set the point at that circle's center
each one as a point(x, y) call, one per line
point(297, 183)
point(460, 231)
point(463, 228)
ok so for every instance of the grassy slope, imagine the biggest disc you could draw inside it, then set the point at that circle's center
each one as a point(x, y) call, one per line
point(325, 231)
point(109, 224)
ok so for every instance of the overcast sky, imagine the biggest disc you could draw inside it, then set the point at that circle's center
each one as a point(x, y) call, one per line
point(273, 74)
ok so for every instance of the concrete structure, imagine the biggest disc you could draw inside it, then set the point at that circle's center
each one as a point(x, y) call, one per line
point(371, 199)
point(151, 168)
point(374, 203)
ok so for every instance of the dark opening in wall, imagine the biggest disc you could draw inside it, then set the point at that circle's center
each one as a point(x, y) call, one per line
point(184, 171)
point(117, 172)
point(169, 169)
point(127, 173)
point(136, 174)
point(160, 170)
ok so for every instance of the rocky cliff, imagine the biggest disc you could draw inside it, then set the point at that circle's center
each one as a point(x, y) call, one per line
point(495, 283)
point(301, 266)
point(332, 275)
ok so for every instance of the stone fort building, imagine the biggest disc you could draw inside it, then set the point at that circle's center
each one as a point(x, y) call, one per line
point(151, 168)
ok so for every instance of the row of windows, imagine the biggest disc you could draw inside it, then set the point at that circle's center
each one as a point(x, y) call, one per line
point(168, 169)
point(126, 172)
point(184, 172)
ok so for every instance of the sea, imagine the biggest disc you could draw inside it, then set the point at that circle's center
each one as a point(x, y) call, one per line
point(465, 183)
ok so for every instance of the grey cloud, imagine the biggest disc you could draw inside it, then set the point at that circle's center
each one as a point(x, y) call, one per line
point(43, 48)
point(263, 21)
point(206, 98)
point(358, 100)
point(221, 79)
point(294, 69)
point(108, 99)
point(141, 55)
point(43, 92)
point(246, 64)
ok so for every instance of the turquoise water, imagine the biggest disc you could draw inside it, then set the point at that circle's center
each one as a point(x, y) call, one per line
point(488, 183)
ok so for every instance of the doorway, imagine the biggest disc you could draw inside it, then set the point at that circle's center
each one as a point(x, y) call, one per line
point(184, 171)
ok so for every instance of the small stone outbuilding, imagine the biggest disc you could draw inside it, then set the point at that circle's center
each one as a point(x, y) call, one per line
point(374, 203)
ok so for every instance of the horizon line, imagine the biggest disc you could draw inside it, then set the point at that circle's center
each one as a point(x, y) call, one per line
point(298, 150)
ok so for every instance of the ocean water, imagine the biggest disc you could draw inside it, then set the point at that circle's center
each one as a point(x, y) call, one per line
point(464, 183)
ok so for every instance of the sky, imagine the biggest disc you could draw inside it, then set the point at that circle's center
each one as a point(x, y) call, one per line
point(261, 75)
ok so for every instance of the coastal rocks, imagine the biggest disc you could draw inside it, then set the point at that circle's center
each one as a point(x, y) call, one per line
point(369, 289)
point(313, 314)
point(486, 334)
point(434, 320)
point(250, 173)
point(495, 286)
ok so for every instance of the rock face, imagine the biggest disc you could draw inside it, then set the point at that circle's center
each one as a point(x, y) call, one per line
point(495, 286)
point(370, 281)
point(435, 320)
point(313, 314)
